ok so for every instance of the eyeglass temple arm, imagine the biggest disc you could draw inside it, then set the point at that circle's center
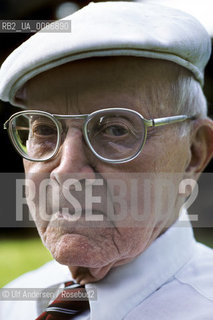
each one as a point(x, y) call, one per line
point(5, 125)
point(168, 120)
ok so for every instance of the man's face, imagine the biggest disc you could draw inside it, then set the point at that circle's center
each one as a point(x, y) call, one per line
point(92, 248)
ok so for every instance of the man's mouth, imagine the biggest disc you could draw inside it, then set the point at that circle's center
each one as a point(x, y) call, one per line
point(75, 215)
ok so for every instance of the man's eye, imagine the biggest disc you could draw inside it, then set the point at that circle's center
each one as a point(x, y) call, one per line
point(44, 130)
point(115, 131)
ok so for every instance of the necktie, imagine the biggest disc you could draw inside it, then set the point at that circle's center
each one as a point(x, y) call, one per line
point(67, 308)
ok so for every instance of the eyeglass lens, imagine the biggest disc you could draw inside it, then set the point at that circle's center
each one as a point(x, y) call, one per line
point(35, 135)
point(116, 135)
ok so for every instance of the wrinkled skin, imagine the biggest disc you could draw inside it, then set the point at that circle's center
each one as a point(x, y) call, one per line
point(90, 250)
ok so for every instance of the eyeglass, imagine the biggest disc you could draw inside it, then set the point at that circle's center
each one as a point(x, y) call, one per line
point(114, 135)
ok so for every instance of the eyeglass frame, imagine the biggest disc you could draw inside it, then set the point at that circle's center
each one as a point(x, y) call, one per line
point(87, 117)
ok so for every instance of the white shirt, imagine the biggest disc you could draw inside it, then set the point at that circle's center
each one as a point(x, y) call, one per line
point(172, 279)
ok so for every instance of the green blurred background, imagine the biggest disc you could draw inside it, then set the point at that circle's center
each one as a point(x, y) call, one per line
point(21, 249)
point(19, 255)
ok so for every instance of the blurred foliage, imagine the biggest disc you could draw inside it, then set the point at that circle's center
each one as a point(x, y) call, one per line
point(204, 235)
point(19, 256)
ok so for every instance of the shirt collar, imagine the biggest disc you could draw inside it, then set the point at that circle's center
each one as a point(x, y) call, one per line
point(128, 285)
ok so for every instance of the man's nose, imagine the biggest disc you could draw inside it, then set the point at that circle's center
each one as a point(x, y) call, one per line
point(72, 159)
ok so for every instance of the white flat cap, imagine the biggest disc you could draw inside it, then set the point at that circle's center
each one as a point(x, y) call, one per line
point(111, 29)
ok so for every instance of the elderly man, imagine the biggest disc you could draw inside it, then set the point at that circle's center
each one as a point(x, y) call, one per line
point(114, 124)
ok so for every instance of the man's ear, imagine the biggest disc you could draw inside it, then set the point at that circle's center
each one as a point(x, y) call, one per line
point(201, 148)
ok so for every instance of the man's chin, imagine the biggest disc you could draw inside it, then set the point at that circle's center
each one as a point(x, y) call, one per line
point(74, 249)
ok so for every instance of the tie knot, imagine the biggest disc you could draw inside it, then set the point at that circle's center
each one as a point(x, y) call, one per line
point(68, 283)
point(70, 302)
